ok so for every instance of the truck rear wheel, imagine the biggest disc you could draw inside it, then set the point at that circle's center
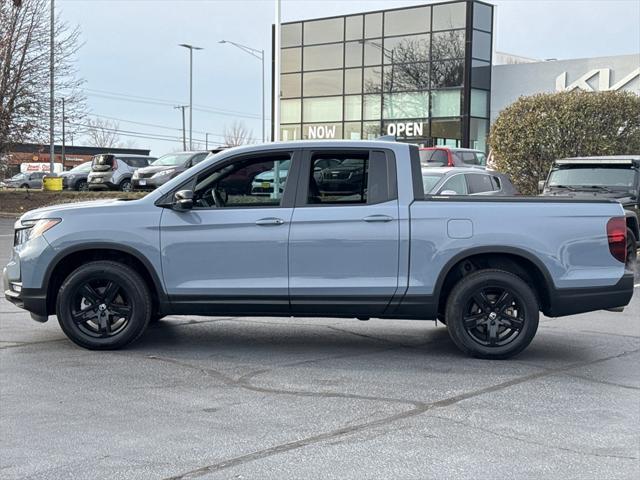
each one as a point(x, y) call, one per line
point(492, 314)
point(103, 305)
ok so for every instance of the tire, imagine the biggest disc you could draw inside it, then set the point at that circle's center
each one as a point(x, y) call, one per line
point(632, 250)
point(507, 321)
point(91, 300)
point(24, 186)
point(125, 185)
point(82, 186)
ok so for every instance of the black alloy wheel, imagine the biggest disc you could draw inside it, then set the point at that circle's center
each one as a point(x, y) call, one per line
point(103, 305)
point(125, 185)
point(82, 186)
point(492, 314)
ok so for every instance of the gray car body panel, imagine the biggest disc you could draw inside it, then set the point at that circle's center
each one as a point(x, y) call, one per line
point(325, 260)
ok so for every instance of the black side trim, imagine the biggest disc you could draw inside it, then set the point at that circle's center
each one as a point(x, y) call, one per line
point(33, 300)
point(229, 305)
point(570, 301)
point(515, 198)
point(339, 305)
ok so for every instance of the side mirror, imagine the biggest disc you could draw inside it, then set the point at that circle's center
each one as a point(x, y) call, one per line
point(541, 186)
point(183, 200)
point(448, 192)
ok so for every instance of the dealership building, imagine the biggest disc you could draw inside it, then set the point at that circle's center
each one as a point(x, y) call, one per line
point(426, 74)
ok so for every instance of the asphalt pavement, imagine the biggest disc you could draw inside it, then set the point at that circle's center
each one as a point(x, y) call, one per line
point(281, 398)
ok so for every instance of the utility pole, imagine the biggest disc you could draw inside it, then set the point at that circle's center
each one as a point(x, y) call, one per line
point(63, 139)
point(184, 138)
point(51, 91)
point(276, 76)
point(191, 49)
point(206, 141)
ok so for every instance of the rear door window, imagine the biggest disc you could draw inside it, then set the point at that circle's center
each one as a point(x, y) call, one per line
point(135, 162)
point(456, 184)
point(479, 183)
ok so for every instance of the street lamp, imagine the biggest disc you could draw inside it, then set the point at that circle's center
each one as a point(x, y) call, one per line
point(191, 49)
point(259, 54)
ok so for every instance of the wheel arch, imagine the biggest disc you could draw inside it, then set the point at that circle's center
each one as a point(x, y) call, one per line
point(511, 259)
point(70, 259)
point(632, 224)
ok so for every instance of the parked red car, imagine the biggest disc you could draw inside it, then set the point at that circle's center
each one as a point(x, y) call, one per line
point(452, 157)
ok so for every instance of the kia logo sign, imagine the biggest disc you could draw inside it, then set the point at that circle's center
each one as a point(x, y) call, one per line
point(604, 81)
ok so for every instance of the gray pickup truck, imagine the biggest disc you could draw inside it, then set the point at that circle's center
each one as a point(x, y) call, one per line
point(324, 241)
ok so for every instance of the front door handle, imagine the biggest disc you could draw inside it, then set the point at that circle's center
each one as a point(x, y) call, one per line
point(263, 222)
point(378, 218)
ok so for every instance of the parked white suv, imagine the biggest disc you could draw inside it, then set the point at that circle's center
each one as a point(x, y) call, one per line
point(114, 171)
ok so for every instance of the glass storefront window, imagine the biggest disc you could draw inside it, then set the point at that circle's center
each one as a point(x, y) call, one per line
point(324, 31)
point(481, 45)
point(447, 74)
point(449, 16)
point(482, 17)
point(370, 130)
point(480, 74)
point(322, 109)
point(479, 103)
point(291, 59)
point(373, 25)
point(322, 83)
point(445, 103)
point(372, 77)
point(354, 27)
point(414, 48)
point(289, 132)
point(446, 129)
point(323, 57)
point(478, 130)
point(322, 131)
point(352, 131)
point(290, 85)
point(290, 111)
point(353, 107)
point(353, 54)
point(353, 80)
point(373, 52)
point(371, 107)
point(405, 77)
point(447, 45)
point(410, 20)
point(405, 105)
point(291, 35)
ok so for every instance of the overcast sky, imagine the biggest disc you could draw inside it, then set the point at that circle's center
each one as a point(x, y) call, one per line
point(131, 50)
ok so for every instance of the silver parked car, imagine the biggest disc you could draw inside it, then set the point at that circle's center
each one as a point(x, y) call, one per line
point(25, 180)
point(114, 171)
point(465, 181)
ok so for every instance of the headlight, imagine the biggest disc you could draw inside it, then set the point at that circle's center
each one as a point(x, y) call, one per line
point(31, 229)
point(164, 173)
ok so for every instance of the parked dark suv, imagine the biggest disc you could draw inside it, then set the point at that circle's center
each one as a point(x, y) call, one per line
point(76, 178)
point(616, 177)
point(165, 168)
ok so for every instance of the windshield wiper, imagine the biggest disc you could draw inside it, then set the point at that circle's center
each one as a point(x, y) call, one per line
point(597, 187)
point(567, 187)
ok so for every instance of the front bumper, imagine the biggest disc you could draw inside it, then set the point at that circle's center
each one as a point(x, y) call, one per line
point(570, 301)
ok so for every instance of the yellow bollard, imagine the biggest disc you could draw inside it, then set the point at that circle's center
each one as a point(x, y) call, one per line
point(52, 183)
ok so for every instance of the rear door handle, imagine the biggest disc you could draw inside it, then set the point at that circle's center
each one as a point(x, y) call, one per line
point(269, 221)
point(378, 218)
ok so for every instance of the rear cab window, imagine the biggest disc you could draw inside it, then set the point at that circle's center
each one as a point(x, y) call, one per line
point(479, 183)
point(436, 157)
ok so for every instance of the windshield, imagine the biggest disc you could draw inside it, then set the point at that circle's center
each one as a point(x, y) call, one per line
point(19, 176)
point(429, 181)
point(172, 159)
point(83, 167)
point(589, 176)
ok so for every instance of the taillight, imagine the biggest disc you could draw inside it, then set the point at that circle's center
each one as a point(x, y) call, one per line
point(617, 236)
point(114, 164)
point(450, 159)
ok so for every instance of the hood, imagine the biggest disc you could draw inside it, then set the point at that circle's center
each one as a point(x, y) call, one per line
point(157, 168)
point(623, 196)
point(59, 210)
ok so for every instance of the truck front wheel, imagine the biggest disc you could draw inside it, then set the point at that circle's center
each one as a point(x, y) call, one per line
point(103, 305)
point(492, 314)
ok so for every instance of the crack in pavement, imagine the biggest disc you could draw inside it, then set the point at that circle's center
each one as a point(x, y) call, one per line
point(18, 344)
point(529, 441)
point(418, 409)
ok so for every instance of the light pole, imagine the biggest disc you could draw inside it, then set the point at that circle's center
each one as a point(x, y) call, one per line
point(259, 54)
point(191, 49)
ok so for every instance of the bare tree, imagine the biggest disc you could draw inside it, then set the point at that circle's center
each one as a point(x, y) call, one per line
point(237, 134)
point(24, 72)
point(102, 133)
